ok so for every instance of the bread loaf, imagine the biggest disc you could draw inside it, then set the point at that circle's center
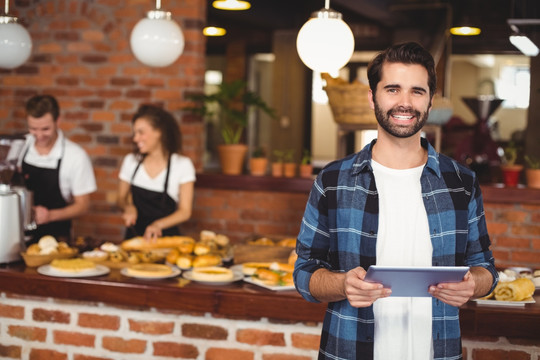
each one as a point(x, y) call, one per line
point(139, 243)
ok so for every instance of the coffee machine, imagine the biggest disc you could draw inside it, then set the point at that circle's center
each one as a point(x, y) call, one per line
point(15, 202)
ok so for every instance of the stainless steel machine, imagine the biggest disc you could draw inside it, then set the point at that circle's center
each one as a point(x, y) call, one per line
point(15, 202)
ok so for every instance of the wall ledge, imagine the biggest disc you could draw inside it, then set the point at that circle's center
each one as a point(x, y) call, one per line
point(492, 193)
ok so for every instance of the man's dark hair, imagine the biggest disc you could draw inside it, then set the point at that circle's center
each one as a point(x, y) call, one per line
point(39, 105)
point(406, 53)
point(163, 121)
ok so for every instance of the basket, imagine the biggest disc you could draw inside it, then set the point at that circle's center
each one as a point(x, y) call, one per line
point(349, 103)
point(38, 260)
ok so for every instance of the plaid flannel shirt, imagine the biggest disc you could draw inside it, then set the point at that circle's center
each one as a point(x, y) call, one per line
point(339, 232)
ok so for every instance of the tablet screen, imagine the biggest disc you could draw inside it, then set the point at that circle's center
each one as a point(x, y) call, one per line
point(414, 281)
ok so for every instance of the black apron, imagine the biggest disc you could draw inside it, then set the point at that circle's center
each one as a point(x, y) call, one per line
point(152, 205)
point(45, 184)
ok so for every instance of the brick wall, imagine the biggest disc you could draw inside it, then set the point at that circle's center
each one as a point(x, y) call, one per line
point(33, 328)
point(514, 228)
point(515, 234)
point(81, 55)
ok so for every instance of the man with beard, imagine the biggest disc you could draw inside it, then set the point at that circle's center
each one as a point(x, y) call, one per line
point(395, 203)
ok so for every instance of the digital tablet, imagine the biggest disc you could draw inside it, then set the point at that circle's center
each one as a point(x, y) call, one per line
point(414, 281)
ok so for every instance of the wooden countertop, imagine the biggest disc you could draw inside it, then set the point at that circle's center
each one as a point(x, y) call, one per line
point(238, 300)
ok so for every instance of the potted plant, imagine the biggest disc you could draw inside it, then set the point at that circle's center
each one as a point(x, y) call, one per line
point(258, 163)
point(232, 100)
point(277, 163)
point(306, 168)
point(289, 166)
point(533, 171)
point(510, 169)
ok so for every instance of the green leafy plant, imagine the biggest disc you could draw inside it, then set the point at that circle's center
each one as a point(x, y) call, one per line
point(258, 152)
point(511, 151)
point(278, 155)
point(288, 155)
point(232, 98)
point(306, 157)
point(532, 162)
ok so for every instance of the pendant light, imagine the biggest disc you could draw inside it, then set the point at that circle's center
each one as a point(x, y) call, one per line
point(231, 4)
point(15, 41)
point(157, 40)
point(325, 43)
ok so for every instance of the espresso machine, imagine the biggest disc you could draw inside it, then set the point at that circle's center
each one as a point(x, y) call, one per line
point(15, 202)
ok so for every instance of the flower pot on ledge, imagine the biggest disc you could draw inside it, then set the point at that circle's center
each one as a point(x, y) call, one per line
point(533, 178)
point(231, 158)
point(511, 174)
point(289, 169)
point(258, 166)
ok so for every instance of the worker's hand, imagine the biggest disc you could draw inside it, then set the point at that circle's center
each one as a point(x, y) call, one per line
point(455, 294)
point(41, 215)
point(152, 232)
point(361, 293)
point(130, 215)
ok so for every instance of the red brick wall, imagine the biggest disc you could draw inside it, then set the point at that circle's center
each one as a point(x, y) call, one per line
point(37, 328)
point(81, 55)
point(515, 233)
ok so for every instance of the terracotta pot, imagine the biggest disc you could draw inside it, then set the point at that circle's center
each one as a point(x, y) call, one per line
point(289, 169)
point(231, 158)
point(277, 169)
point(306, 170)
point(533, 178)
point(258, 166)
point(511, 174)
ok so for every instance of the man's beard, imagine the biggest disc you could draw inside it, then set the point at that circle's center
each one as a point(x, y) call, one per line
point(397, 130)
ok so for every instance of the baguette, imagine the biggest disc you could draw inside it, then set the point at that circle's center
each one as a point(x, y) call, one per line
point(139, 243)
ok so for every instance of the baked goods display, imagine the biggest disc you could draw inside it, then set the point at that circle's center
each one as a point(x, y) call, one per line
point(210, 250)
point(113, 255)
point(515, 285)
point(72, 265)
point(212, 274)
point(516, 290)
point(166, 242)
point(271, 274)
point(149, 270)
point(46, 250)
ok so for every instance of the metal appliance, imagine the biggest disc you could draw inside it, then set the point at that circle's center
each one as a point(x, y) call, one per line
point(15, 202)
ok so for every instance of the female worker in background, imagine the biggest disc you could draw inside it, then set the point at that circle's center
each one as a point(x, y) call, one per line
point(156, 181)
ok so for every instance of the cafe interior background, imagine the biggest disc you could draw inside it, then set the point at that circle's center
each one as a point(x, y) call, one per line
point(81, 53)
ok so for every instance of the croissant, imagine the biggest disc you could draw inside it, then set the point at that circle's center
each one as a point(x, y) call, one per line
point(517, 290)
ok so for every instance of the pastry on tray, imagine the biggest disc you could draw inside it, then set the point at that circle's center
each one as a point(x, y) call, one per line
point(516, 290)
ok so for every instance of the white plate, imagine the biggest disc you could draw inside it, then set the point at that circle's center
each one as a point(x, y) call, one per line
point(50, 271)
point(175, 272)
point(188, 275)
point(253, 281)
point(503, 303)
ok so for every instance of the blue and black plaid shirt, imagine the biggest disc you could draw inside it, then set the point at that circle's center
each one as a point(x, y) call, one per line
point(339, 232)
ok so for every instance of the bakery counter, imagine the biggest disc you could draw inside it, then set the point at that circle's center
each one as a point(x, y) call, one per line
point(238, 299)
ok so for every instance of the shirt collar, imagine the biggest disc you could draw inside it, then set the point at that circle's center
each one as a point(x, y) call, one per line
point(363, 158)
point(56, 150)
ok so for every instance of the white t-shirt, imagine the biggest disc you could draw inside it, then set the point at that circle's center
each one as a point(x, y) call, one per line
point(76, 172)
point(402, 324)
point(182, 171)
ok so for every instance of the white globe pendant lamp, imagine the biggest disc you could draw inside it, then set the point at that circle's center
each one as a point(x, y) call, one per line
point(157, 40)
point(325, 43)
point(15, 41)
